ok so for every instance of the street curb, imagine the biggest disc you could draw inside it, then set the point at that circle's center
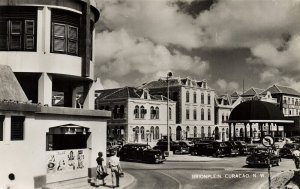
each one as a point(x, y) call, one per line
point(265, 183)
point(131, 182)
point(190, 160)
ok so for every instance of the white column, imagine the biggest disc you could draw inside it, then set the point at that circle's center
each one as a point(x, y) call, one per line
point(46, 30)
point(7, 128)
point(89, 101)
point(45, 89)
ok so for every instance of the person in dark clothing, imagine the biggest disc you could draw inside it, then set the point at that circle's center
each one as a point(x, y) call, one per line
point(101, 173)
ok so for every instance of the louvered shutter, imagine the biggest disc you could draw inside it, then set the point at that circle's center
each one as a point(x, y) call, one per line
point(29, 34)
point(59, 37)
point(17, 128)
point(15, 35)
point(72, 40)
point(3, 35)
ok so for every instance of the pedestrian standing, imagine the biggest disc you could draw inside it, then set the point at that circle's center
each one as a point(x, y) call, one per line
point(101, 173)
point(114, 165)
point(296, 156)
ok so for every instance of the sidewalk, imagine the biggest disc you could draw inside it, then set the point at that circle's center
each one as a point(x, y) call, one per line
point(125, 181)
point(190, 158)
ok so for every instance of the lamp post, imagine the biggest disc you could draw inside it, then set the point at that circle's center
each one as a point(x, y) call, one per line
point(168, 76)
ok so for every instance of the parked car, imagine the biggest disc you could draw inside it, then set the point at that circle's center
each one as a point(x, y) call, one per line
point(175, 147)
point(111, 147)
point(201, 149)
point(209, 149)
point(221, 146)
point(140, 153)
point(242, 147)
point(295, 139)
point(259, 157)
point(234, 151)
point(186, 143)
point(287, 150)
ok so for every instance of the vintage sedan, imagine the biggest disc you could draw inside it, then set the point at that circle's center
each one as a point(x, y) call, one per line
point(260, 156)
point(140, 153)
point(175, 147)
point(209, 149)
point(288, 149)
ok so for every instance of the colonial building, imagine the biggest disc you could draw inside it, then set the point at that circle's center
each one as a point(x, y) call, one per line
point(223, 107)
point(137, 116)
point(46, 48)
point(194, 105)
point(287, 98)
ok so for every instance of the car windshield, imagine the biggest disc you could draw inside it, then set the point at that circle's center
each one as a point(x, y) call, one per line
point(260, 151)
point(190, 143)
point(223, 145)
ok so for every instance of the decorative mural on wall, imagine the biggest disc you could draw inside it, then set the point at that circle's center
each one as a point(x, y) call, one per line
point(66, 160)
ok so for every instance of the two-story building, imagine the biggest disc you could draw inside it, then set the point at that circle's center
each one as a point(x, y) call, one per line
point(137, 116)
point(223, 107)
point(194, 105)
point(46, 47)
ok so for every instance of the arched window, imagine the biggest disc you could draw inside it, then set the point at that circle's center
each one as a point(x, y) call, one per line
point(152, 132)
point(195, 114)
point(223, 118)
point(157, 112)
point(187, 131)
point(195, 97)
point(202, 132)
point(142, 133)
point(137, 131)
point(170, 132)
point(142, 112)
point(202, 98)
point(209, 131)
point(208, 114)
point(136, 111)
point(170, 113)
point(208, 99)
point(156, 132)
point(227, 117)
point(227, 133)
point(202, 114)
point(195, 131)
point(187, 96)
point(152, 112)
point(187, 116)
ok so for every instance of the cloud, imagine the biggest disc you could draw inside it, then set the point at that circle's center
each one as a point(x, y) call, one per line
point(120, 54)
point(110, 84)
point(157, 20)
point(225, 86)
point(244, 23)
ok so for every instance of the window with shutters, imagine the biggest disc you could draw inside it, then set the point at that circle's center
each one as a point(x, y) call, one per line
point(17, 128)
point(64, 39)
point(65, 32)
point(18, 28)
point(17, 35)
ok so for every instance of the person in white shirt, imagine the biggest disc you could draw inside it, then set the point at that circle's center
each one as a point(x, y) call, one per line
point(114, 165)
point(296, 156)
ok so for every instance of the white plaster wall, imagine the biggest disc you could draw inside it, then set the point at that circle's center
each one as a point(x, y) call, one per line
point(27, 158)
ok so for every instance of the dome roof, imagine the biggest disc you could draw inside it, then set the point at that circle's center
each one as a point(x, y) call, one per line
point(256, 110)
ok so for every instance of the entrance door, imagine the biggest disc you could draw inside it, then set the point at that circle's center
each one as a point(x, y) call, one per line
point(178, 133)
point(217, 137)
